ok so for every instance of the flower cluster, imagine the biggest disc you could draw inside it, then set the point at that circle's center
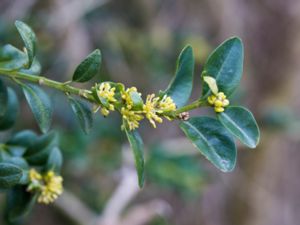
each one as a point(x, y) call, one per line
point(106, 93)
point(219, 101)
point(131, 117)
point(48, 186)
point(156, 106)
point(130, 104)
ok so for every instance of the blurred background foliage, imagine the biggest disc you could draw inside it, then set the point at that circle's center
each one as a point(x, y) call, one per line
point(140, 41)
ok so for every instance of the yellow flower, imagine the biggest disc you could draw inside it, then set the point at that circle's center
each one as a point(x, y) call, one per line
point(49, 186)
point(219, 101)
point(155, 105)
point(51, 189)
point(131, 117)
point(34, 175)
point(166, 104)
point(126, 95)
point(150, 109)
point(105, 91)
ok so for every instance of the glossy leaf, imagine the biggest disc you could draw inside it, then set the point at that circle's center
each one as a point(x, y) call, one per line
point(10, 175)
point(225, 64)
point(55, 160)
point(19, 204)
point(241, 123)
point(83, 114)
point(212, 140)
point(40, 105)
point(3, 98)
point(88, 68)
point(12, 58)
point(137, 147)
point(29, 40)
point(12, 110)
point(181, 86)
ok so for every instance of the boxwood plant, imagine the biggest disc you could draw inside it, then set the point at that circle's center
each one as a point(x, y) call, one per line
point(30, 163)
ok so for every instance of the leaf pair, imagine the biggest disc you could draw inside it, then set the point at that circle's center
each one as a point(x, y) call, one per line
point(84, 72)
point(214, 141)
point(222, 73)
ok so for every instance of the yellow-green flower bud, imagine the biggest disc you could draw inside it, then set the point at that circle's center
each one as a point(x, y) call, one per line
point(218, 101)
point(219, 109)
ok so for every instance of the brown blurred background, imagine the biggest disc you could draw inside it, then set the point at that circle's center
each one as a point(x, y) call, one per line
point(140, 41)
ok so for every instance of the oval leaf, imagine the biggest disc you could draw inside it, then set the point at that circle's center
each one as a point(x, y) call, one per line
point(181, 86)
point(225, 64)
point(29, 40)
point(213, 141)
point(88, 68)
point(10, 175)
point(137, 146)
point(12, 110)
point(83, 114)
point(241, 123)
point(40, 105)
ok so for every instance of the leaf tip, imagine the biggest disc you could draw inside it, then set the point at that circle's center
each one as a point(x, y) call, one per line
point(227, 166)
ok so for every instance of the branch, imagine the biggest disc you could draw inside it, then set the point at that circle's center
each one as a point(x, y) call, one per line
point(83, 93)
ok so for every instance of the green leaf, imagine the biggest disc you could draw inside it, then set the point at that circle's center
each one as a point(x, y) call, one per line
point(213, 141)
point(19, 204)
point(10, 175)
point(225, 64)
point(83, 114)
point(40, 105)
point(19, 162)
point(38, 152)
point(23, 138)
point(3, 98)
point(136, 100)
point(181, 86)
point(137, 146)
point(241, 123)
point(12, 58)
point(88, 68)
point(29, 40)
point(20, 142)
point(12, 110)
point(55, 160)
